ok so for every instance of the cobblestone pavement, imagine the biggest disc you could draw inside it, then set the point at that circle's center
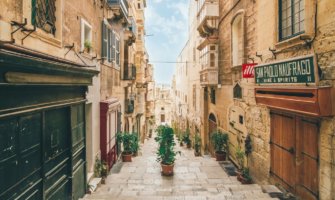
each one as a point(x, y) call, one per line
point(195, 178)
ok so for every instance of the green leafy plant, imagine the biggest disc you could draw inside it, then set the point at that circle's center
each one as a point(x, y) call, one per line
point(165, 139)
point(127, 140)
point(197, 143)
point(239, 154)
point(246, 174)
point(220, 141)
point(88, 45)
point(100, 168)
point(186, 137)
point(135, 143)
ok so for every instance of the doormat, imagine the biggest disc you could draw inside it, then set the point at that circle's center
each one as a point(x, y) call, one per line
point(228, 167)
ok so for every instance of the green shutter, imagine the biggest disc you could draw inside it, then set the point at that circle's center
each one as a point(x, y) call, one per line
point(33, 12)
point(117, 47)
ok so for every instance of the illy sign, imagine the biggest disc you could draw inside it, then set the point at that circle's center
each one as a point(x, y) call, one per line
point(248, 70)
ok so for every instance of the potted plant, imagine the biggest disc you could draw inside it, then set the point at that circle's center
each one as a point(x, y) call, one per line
point(245, 177)
point(220, 143)
point(197, 145)
point(127, 143)
point(135, 144)
point(186, 139)
point(100, 169)
point(88, 45)
point(166, 154)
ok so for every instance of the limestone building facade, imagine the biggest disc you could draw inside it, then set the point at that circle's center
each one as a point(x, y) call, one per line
point(286, 107)
point(70, 65)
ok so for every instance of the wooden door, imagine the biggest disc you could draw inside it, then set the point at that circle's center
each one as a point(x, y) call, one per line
point(307, 186)
point(294, 154)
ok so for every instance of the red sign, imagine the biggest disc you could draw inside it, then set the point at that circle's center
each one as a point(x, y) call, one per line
point(248, 70)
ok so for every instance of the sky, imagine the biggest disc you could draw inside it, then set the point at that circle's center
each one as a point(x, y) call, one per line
point(167, 22)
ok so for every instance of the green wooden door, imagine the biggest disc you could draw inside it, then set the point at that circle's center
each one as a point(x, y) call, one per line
point(57, 166)
point(78, 151)
point(20, 157)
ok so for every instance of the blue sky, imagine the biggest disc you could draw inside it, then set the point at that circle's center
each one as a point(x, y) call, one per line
point(167, 21)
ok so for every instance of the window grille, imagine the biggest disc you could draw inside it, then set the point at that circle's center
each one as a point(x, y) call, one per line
point(44, 15)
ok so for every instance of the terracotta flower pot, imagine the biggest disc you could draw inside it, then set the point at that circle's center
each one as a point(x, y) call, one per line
point(220, 156)
point(126, 157)
point(181, 144)
point(197, 153)
point(188, 146)
point(167, 170)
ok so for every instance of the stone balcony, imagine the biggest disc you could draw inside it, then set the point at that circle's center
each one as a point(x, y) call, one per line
point(208, 17)
point(131, 32)
point(209, 76)
point(120, 9)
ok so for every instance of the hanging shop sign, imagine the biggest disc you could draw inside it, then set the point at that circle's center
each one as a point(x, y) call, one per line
point(248, 70)
point(298, 70)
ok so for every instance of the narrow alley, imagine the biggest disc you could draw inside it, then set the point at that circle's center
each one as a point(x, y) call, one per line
point(195, 178)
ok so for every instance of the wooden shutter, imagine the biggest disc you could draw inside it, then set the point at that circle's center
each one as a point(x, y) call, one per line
point(117, 50)
point(104, 42)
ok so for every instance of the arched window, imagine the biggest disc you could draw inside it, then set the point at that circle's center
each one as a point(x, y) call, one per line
point(237, 91)
point(237, 40)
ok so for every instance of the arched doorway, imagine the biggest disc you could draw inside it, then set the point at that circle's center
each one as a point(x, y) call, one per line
point(212, 126)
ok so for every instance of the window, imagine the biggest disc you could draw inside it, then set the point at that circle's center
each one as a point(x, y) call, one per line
point(162, 108)
point(291, 18)
point(86, 34)
point(237, 91)
point(44, 15)
point(110, 44)
point(208, 57)
point(212, 95)
point(237, 41)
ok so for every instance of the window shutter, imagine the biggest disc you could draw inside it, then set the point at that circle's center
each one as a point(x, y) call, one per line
point(117, 49)
point(113, 46)
point(104, 42)
point(110, 47)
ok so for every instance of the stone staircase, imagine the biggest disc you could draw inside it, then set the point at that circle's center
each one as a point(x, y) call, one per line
point(195, 178)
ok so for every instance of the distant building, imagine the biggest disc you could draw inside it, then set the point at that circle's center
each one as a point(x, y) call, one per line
point(163, 103)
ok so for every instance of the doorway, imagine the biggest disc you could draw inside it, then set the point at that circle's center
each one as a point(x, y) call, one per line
point(212, 126)
point(294, 154)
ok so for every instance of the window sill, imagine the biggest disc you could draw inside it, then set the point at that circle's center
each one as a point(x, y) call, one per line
point(292, 42)
point(47, 37)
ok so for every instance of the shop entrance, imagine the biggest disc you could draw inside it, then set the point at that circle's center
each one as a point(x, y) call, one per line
point(294, 154)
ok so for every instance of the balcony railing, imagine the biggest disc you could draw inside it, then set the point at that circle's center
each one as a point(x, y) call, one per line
point(208, 15)
point(129, 106)
point(129, 72)
point(119, 5)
